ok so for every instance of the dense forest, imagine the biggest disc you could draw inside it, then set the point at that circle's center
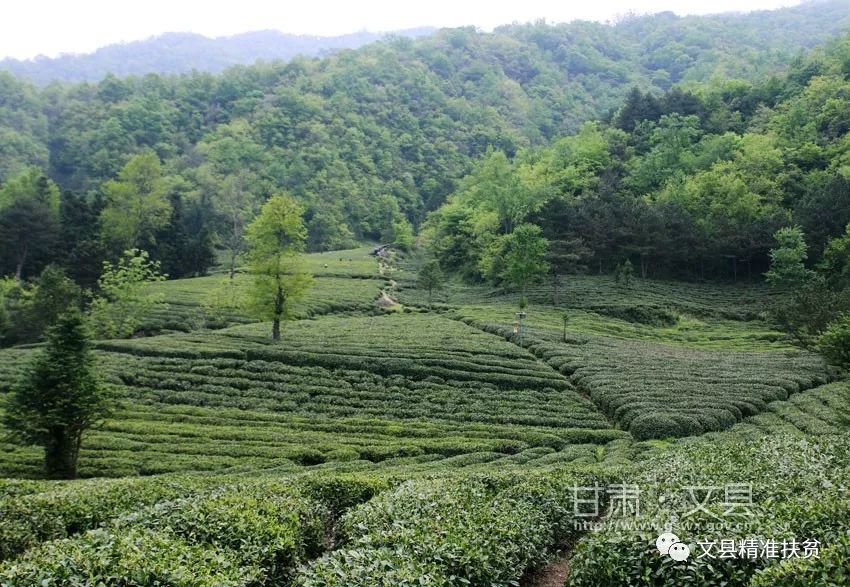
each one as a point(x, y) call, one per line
point(693, 183)
point(710, 133)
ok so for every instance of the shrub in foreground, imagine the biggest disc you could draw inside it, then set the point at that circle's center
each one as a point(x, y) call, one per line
point(831, 569)
point(134, 556)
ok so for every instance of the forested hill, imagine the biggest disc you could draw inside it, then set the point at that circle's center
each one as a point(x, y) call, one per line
point(369, 140)
point(184, 52)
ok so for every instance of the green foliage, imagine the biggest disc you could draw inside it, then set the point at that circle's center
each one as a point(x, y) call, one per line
point(690, 183)
point(348, 135)
point(376, 567)
point(624, 273)
point(656, 390)
point(835, 264)
point(28, 309)
point(810, 309)
point(484, 531)
point(122, 302)
point(442, 395)
point(59, 397)
point(54, 294)
point(402, 235)
point(7, 285)
point(150, 531)
point(787, 260)
point(834, 343)
point(135, 556)
point(523, 257)
point(277, 238)
point(136, 204)
point(29, 223)
point(338, 493)
point(805, 505)
point(430, 278)
point(238, 206)
point(266, 526)
point(830, 569)
point(59, 511)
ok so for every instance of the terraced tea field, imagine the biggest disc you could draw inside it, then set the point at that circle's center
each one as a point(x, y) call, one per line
point(423, 446)
point(660, 390)
point(602, 294)
point(703, 372)
point(334, 389)
point(490, 527)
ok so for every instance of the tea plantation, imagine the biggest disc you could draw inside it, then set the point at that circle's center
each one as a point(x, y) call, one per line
point(434, 445)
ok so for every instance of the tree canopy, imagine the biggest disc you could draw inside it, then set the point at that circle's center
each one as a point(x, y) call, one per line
point(276, 238)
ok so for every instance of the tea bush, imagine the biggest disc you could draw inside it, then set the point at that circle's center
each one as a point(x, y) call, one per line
point(137, 557)
point(67, 509)
point(246, 532)
point(267, 526)
point(478, 530)
point(377, 567)
point(796, 494)
point(830, 569)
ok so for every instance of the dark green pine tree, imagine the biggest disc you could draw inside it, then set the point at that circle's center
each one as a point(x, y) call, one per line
point(185, 245)
point(82, 250)
point(59, 397)
point(637, 107)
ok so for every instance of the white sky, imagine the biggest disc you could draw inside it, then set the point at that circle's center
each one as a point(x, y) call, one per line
point(49, 27)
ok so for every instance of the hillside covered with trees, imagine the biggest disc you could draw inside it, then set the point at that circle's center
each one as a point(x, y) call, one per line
point(370, 141)
point(691, 183)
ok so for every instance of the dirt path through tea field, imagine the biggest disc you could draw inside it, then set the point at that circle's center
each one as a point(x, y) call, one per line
point(553, 574)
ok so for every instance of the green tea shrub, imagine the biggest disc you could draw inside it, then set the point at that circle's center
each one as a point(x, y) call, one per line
point(337, 493)
point(650, 315)
point(132, 556)
point(797, 493)
point(479, 530)
point(374, 567)
point(830, 569)
point(660, 391)
point(72, 508)
point(647, 426)
point(266, 525)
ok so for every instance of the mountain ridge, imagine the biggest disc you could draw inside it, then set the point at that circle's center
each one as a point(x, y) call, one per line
point(182, 52)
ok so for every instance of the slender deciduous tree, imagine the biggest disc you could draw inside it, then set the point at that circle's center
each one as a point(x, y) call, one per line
point(124, 298)
point(276, 239)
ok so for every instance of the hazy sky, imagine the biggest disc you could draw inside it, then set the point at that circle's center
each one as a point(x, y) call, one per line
point(49, 27)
